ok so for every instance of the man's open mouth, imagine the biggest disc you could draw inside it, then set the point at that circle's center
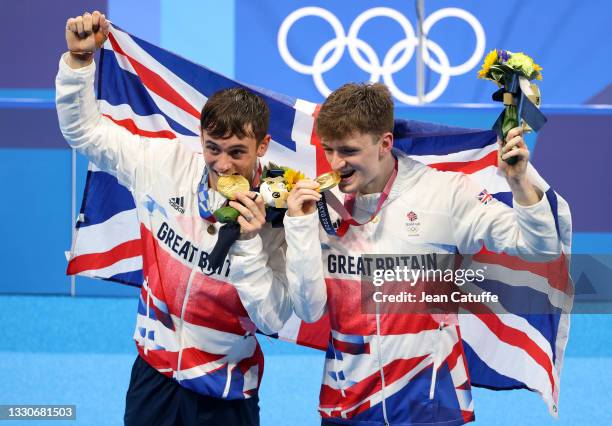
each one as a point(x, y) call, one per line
point(346, 175)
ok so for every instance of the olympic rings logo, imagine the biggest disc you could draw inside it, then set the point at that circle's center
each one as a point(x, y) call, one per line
point(396, 58)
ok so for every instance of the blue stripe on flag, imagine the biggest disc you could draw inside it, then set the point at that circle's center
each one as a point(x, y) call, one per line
point(422, 138)
point(552, 200)
point(110, 198)
point(207, 82)
point(504, 197)
point(483, 376)
point(525, 302)
point(351, 338)
point(128, 278)
point(119, 87)
point(214, 383)
point(142, 309)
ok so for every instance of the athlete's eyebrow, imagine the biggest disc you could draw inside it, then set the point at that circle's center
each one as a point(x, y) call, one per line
point(237, 146)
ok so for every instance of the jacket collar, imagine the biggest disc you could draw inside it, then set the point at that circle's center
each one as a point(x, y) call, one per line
point(408, 172)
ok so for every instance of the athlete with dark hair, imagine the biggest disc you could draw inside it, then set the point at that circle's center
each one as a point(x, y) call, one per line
point(198, 361)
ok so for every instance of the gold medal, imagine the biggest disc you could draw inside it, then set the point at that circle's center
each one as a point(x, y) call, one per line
point(229, 186)
point(327, 180)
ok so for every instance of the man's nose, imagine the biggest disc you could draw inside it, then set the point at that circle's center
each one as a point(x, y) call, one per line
point(224, 164)
point(337, 162)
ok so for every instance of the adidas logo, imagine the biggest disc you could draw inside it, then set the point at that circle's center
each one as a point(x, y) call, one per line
point(178, 203)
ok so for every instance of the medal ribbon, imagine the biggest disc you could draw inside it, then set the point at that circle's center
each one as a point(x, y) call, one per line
point(344, 210)
point(203, 200)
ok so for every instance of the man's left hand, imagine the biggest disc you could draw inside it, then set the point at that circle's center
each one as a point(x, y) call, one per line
point(515, 147)
point(252, 211)
point(516, 174)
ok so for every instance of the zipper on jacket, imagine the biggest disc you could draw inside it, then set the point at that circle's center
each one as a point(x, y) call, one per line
point(375, 249)
point(380, 364)
point(436, 362)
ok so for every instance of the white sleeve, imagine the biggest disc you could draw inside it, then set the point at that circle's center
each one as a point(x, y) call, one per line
point(478, 219)
point(259, 277)
point(109, 146)
point(305, 277)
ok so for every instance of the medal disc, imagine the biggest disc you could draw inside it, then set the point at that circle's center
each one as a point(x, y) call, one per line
point(327, 180)
point(229, 186)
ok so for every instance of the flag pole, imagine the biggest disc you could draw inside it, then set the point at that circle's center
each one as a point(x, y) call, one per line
point(420, 64)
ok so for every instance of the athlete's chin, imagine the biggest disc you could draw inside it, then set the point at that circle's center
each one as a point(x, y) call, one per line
point(348, 185)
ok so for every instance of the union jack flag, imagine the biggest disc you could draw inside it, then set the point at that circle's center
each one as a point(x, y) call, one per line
point(484, 197)
point(154, 93)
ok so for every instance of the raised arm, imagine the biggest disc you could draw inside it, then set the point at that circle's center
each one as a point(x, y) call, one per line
point(527, 230)
point(110, 147)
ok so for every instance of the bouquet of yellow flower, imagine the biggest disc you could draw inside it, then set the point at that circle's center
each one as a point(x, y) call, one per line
point(500, 64)
point(513, 73)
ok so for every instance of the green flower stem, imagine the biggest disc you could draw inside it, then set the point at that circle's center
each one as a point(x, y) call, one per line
point(510, 121)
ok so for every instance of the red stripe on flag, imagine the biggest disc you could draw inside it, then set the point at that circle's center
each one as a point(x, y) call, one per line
point(322, 164)
point(556, 272)
point(468, 167)
point(193, 357)
point(468, 416)
point(454, 355)
point(355, 394)
point(155, 82)
point(159, 359)
point(521, 340)
point(91, 261)
point(131, 126)
point(351, 348)
point(316, 334)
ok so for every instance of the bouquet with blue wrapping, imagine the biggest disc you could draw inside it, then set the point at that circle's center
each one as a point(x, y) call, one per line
point(513, 73)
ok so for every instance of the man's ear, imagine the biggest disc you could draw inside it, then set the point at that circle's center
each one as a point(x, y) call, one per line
point(263, 146)
point(386, 143)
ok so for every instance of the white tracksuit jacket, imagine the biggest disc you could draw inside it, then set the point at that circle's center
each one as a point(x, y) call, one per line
point(393, 368)
point(193, 324)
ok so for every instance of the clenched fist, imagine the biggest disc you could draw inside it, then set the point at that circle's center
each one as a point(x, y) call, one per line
point(85, 34)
